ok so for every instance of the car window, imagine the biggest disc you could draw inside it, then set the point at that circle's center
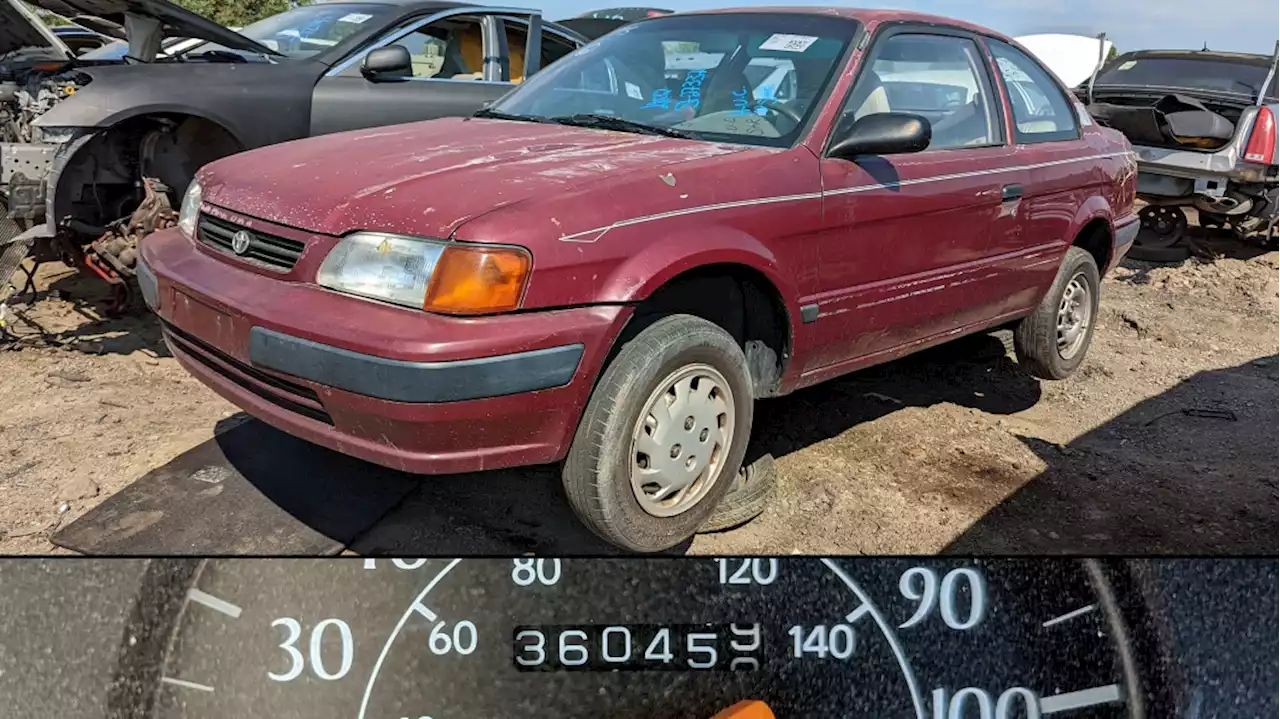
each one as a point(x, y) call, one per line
point(311, 29)
point(553, 48)
point(450, 49)
point(729, 77)
point(938, 77)
point(1193, 72)
point(1041, 112)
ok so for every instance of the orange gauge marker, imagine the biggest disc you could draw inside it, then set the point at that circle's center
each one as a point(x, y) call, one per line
point(749, 709)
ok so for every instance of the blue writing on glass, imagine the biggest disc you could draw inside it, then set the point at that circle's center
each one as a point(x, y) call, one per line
point(740, 104)
point(691, 90)
point(660, 99)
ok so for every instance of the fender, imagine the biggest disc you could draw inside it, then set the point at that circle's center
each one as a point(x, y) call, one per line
point(257, 103)
point(1094, 208)
point(688, 249)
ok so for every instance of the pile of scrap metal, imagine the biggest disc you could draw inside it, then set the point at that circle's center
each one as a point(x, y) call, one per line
point(96, 150)
point(1204, 127)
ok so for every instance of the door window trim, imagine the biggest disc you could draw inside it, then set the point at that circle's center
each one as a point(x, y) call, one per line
point(891, 29)
point(1074, 133)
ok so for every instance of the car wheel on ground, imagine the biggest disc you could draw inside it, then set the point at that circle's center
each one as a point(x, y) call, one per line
point(1052, 341)
point(748, 496)
point(662, 436)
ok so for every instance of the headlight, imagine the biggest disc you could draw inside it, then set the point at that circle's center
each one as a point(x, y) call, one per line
point(432, 275)
point(190, 210)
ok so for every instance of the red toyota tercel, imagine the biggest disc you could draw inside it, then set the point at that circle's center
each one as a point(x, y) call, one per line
point(608, 266)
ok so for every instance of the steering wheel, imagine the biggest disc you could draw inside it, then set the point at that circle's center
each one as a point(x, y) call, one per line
point(781, 109)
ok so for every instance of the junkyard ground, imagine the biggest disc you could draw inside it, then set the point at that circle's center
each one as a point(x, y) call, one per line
point(1165, 442)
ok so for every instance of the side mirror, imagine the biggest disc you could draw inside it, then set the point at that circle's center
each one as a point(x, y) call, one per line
point(884, 133)
point(392, 60)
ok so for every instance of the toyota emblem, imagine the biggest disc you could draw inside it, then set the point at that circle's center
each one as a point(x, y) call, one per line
point(240, 242)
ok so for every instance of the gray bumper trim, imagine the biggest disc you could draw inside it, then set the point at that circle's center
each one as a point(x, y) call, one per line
point(149, 285)
point(401, 381)
point(1126, 234)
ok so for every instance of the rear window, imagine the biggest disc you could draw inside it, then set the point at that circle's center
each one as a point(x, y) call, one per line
point(1190, 73)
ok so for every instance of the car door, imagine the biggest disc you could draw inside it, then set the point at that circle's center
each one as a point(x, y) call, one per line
point(462, 59)
point(1057, 179)
point(906, 238)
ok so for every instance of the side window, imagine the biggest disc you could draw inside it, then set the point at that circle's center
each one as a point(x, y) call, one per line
point(1040, 112)
point(939, 77)
point(451, 49)
point(553, 48)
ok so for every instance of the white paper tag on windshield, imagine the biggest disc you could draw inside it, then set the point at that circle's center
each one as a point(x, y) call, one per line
point(1128, 65)
point(788, 43)
point(633, 90)
point(355, 17)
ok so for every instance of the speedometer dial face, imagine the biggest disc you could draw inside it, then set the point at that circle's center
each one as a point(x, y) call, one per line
point(406, 639)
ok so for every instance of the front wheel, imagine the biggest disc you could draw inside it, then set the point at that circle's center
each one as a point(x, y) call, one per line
point(1052, 341)
point(663, 435)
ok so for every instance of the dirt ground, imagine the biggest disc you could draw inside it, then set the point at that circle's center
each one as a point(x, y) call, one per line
point(1165, 442)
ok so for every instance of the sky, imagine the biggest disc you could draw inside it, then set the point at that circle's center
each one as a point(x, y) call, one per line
point(1239, 25)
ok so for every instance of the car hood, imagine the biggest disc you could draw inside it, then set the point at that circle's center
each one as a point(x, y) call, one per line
point(107, 17)
point(19, 28)
point(1073, 58)
point(429, 178)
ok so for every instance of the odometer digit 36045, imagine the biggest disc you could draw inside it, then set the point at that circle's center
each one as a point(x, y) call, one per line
point(454, 639)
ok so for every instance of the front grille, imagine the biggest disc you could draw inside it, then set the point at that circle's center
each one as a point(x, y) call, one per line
point(270, 251)
point(287, 395)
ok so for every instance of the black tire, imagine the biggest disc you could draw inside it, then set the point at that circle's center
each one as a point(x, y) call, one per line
point(747, 498)
point(1035, 339)
point(596, 472)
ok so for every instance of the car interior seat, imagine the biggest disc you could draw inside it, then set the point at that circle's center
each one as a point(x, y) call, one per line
point(869, 98)
point(968, 125)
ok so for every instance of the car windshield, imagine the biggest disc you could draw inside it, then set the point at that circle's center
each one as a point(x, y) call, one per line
point(752, 78)
point(310, 29)
point(1191, 73)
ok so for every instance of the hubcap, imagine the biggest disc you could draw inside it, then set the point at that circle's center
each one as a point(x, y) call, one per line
point(1075, 311)
point(680, 440)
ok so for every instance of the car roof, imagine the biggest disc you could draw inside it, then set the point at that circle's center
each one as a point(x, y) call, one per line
point(862, 15)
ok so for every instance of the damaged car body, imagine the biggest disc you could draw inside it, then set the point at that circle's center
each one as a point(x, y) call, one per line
point(95, 154)
point(1203, 124)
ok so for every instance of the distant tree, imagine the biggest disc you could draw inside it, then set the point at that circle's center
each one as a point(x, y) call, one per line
point(237, 13)
point(1112, 54)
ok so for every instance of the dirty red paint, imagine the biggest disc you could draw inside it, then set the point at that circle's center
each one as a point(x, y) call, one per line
point(609, 218)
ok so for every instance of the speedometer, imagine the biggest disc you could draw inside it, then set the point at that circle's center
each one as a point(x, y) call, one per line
point(448, 639)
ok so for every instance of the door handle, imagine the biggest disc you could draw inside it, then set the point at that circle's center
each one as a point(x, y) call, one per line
point(1010, 192)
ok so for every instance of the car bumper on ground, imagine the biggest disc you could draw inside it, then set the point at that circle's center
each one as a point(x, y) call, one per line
point(405, 389)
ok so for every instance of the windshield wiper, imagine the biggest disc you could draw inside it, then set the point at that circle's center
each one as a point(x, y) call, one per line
point(496, 115)
point(610, 122)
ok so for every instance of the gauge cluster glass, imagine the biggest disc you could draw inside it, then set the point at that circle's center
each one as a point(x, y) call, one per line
point(652, 638)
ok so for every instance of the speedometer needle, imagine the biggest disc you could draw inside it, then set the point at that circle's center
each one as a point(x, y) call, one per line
point(749, 709)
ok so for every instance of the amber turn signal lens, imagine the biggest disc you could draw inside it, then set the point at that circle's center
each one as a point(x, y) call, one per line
point(471, 279)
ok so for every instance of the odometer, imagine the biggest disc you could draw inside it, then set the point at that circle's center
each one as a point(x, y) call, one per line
point(642, 638)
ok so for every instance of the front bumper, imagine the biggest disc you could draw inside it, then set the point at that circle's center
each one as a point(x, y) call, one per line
point(405, 389)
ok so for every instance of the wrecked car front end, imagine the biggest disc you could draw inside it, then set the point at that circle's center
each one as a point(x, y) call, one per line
point(1203, 125)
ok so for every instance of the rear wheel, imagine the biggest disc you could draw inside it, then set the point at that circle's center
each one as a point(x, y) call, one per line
point(663, 435)
point(1052, 341)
